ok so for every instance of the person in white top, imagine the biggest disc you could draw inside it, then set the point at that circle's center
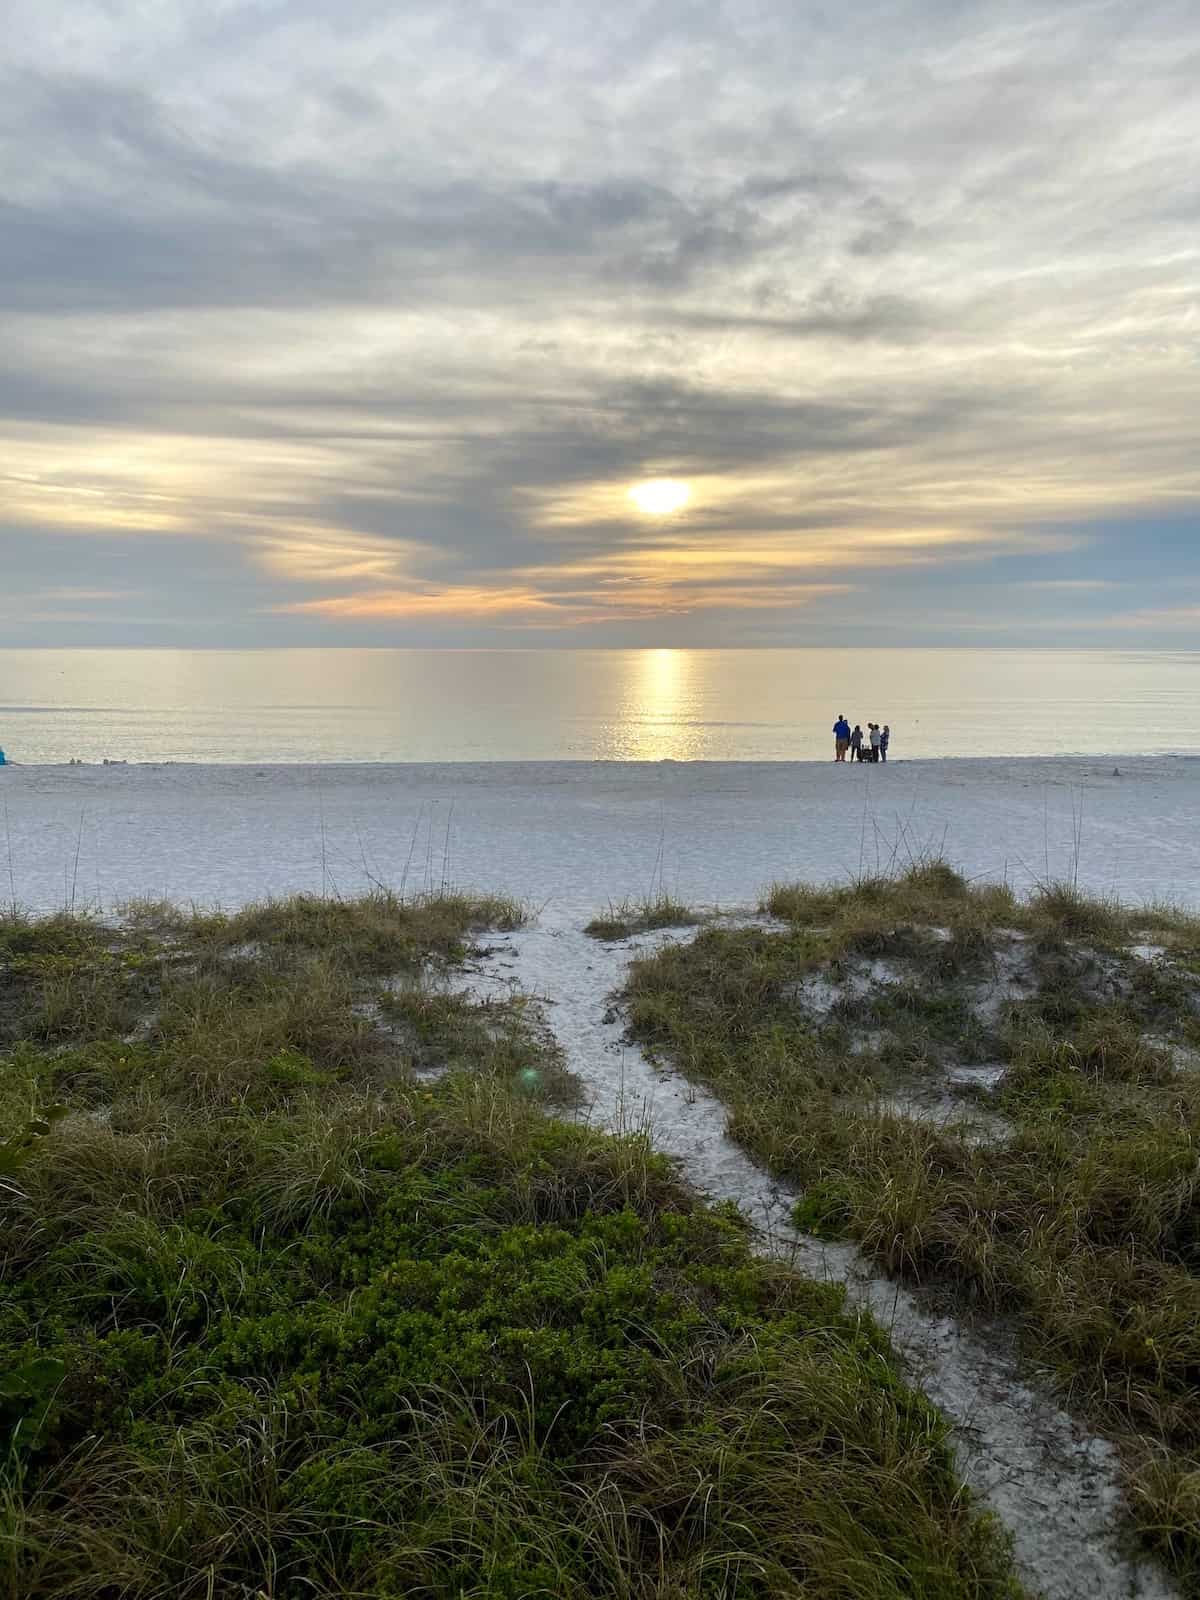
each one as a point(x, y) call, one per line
point(874, 726)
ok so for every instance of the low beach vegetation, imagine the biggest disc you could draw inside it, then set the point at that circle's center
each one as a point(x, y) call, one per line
point(999, 1100)
point(309, 1288)
point(623, 920)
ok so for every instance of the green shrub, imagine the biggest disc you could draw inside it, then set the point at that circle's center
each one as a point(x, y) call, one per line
point(281, 1317)
point(1079, 1223)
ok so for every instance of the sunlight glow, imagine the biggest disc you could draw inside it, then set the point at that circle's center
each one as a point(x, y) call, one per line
point(660, 497)
point(659, 711)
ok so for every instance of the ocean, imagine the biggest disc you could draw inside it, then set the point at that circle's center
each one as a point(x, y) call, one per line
point(345, 705)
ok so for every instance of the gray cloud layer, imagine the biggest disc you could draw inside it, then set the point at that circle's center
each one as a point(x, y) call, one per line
point(358, 322)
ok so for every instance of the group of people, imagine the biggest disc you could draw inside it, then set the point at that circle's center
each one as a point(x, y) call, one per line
point(860, 746)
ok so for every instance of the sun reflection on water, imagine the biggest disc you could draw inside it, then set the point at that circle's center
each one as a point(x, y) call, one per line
point(657, 722)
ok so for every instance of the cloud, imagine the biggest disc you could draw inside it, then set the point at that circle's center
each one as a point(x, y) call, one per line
point(1069, 585)
point(304, 555)
point(358, 322)
point(460, 603)
point(1152, 619)
point(609, 601)
point(74, 592)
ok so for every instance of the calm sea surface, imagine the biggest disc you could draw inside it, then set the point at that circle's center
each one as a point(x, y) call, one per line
point(626, 705)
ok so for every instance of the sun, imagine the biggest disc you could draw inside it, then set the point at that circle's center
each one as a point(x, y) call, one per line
point(659, 497)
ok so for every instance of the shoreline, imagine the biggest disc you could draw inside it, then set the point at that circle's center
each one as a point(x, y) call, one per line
point(606, 763)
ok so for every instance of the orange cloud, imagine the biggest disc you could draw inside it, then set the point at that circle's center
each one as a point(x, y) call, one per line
point(464, 602)
point(617, 600)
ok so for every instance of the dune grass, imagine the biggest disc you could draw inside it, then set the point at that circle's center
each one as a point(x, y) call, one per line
point(628, 917)
point(1079, 1221)
point(304, 1294)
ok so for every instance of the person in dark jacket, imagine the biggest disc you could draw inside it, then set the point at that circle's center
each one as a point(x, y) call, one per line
point(884, 741)
point(841, 735)
point(856, 739)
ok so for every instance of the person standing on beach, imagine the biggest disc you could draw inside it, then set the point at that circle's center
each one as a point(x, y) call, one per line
point(884, 739)
point(874, 727)
point(856, 744)
point(841, 735)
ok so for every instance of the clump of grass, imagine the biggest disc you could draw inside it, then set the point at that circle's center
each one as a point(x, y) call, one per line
point(154, 919)
point(1082, 1226)
point(801, 903)
point(63, 934)
point(379, 933)
point(282, 1316)
point(640, 916)
point(1165, 1489)
point(1163, 916)
point(1104, 1046)
point(56, 997)
point(443, 1035)
point(217, 1025)
point(936, 878)
point(226, 992)
point(1065, 909)
point(930, 893)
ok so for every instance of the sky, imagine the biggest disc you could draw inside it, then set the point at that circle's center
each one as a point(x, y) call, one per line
point(351, 322)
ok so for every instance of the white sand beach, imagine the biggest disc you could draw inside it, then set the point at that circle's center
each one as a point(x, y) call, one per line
point(568, 837)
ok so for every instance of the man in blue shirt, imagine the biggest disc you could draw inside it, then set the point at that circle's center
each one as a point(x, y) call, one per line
point(841, 734)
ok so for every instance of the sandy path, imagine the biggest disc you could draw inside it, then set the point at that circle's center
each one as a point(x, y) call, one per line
point(1055, 1486)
